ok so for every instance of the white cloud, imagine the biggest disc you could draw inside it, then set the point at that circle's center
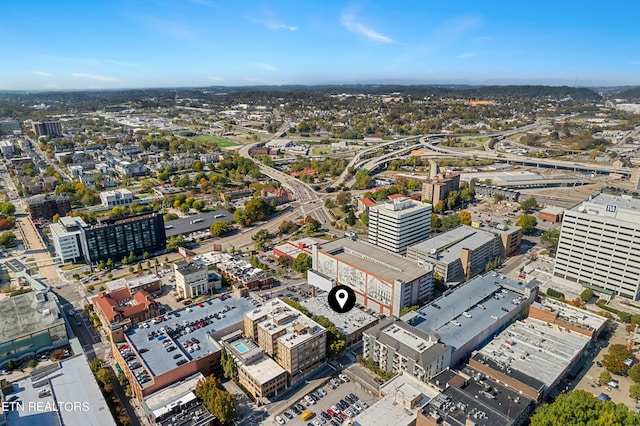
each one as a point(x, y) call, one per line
point(124, 64)
point(274, 25)
point(42, 73)
point(214, 78)
point(264, 66)
point(467, 55)
point(348, 21)
point(94, 77)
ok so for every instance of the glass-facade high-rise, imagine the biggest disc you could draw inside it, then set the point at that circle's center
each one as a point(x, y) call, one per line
point(114, 240)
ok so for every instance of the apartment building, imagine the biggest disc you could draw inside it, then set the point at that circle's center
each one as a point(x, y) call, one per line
point(598, 245)
point(66, 234)
point(295, 342)
point(45, 207)
point(399, 223)
point(397, 347)
point(436, 189)
point(47, 128)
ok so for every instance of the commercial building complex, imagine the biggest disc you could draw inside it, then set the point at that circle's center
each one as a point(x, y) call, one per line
point(177, 404)
point(116, 197)
point(469, 316)
point(399, 223)
point(458, 254)
point(469, 397)
point(111, 239)
point(124, 307)
point(490, 191)
point(240, 271)
point(193, 280)
point(531, 356)
point(598, 245)
point(295, 341)
point(401, 399)
point(61, 393)
point(383, 281)
point(352, 323)
point(169, 348)
point(31, 323)
point(397, 347)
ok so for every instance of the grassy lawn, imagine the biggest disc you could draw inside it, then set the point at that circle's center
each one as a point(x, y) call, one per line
point(215, 140)
point(320, 151)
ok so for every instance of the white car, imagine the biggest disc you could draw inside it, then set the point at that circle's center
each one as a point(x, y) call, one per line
point(344, 378)
point(280, 420)
point(309, 399)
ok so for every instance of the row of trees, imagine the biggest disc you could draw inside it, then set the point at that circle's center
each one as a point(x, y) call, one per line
point(218, 401)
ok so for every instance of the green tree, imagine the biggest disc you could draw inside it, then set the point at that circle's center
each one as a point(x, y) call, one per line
point(528, 223)
point(132, 257)
point(550, 238)
point(219, 402)
point(7, 209)
point(229, 369)
point(634, 373)
point(605, 377)
point(175, 242)
point(219, 228)
point(311, 225)
point(105, 376)
point(587, 294)
point(528, 204)
point(582, 408)
point(302, 263)
point(343, 198)
point(287, 227)
point(634, 391)
point(351, 218)
point(7, 239)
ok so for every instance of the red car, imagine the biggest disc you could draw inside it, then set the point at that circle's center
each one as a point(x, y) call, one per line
point(342, 416)
point(201, 305)
point(331, 413)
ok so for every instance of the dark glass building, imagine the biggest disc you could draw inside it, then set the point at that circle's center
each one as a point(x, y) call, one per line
point(116, 238)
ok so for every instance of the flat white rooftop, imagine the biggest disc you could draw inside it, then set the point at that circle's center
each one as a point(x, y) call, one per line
point(346, 323)
point(390, 410)
point(78, 399)
point(264, 370)
point(538, 349)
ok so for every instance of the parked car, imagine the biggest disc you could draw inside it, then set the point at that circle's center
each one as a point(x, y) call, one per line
point(280, 420)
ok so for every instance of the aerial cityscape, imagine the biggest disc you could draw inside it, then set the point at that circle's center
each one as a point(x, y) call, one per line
point(320, 214)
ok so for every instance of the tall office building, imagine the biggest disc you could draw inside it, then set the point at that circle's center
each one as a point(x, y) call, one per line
point(399, 223)
point(599, 244)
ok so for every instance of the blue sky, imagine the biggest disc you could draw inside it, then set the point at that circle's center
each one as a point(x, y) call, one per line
point(105, 44)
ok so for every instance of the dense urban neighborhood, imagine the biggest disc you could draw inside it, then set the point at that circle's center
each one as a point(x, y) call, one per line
point(167, 256)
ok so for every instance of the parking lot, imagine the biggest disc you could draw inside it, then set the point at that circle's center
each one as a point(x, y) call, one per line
point(330, 401)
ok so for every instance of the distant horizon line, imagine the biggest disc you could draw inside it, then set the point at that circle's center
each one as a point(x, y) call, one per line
point(595, 85)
